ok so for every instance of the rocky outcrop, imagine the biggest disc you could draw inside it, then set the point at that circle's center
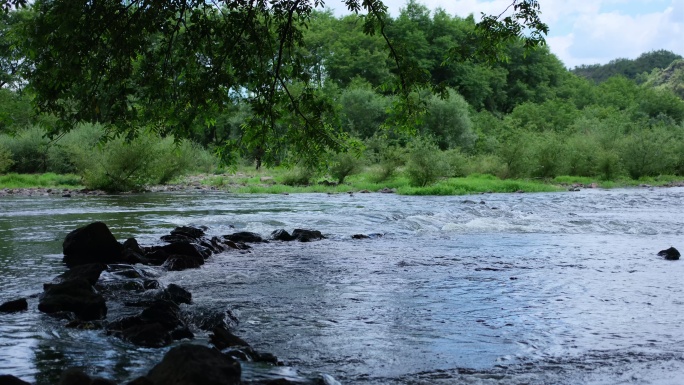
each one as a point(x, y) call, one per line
point(93, 243)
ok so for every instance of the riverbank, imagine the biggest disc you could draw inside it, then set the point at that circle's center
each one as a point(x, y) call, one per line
point(280, 182)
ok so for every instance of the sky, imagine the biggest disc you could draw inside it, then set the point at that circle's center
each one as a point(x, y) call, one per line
point(587, 31)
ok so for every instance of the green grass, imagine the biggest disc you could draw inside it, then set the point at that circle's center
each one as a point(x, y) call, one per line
point(477, 184)
point(48, 180)
point(249, 181)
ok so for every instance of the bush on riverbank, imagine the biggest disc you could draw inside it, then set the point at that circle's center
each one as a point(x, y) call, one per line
point(115, 165)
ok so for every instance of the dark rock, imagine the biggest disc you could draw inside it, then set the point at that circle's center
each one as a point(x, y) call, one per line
point(188, 231)
point(192, 252)
point(93, 243)
point(83, 325)
point(195, 365)
point(670, 254)
point(178, 295)
point(222, 338)
point(177, 238)
point(182, 262)
point(74, 376)
point(7, 379)
point(307, 235)
point(76, 296)
point(234, 245)
point(208, 318)
point(90, 272)
point(182, 333)
point(163, 312)
point(141, 381)
point(151, 284)
point(360, 236)
point(244, 237)
point(282, 235)
point(127, 271)
point(14, 306)
point(153, 335)
point(132, 253)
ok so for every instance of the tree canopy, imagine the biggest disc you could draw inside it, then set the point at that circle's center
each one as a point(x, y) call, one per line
point(169, 65)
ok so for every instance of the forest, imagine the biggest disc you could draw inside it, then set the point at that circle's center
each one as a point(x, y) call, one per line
point(524, 117)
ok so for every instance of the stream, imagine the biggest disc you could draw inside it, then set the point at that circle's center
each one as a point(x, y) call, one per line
point(546, 288)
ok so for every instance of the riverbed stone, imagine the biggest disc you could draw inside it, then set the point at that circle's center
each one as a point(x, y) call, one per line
point(282, 235)
point(93, 243)
point(222, 339)
point(245, 237)
point(670, 254)
point(90, 272)
point(8, 379)
point(177, 294)
point(303, 235)
point(75, 376)
point(14, 306)
point(190, 251)
point(76, 296)
point(190, 364)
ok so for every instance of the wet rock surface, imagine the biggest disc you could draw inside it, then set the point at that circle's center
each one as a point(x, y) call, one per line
point(14, 306)
point(670, 254)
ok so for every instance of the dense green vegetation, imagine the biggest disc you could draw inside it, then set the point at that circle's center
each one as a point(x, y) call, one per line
point(631, 69)
point(524, 118)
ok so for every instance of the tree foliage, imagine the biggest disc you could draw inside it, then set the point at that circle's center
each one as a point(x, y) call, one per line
point(169, 66)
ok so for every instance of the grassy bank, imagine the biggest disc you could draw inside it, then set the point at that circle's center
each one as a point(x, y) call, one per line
point(47, 180)
point(246, 180)
point(277, 181)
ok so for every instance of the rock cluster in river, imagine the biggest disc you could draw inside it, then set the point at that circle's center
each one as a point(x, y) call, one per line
point(152, 316)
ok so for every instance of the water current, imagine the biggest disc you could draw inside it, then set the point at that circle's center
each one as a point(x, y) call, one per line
point(553, 288)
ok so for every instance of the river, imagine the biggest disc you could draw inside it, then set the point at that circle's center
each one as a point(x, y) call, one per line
point(562, 288)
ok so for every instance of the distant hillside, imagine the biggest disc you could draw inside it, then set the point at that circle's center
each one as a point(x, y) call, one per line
point(671, 78)
point(629, 68)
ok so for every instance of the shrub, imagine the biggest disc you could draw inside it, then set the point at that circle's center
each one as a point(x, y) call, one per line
point(426, 163)
point(515, 153)
point(457, 162)
point(583, 152)
point(549, 155)
point(298, 176)
point(343, 165)
point(648, 153)
point(387, 157)
point(5, 159)
point(29, 150)
point(486, 164)
point(120, 165)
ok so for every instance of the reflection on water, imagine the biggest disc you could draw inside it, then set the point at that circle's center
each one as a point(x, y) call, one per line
point(509, 288)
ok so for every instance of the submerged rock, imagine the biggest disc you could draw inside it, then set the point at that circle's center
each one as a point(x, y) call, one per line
point(245, 237)
point(222, 338)
point(301, 235)
point(195, 365)
point(93, 243)
point(13, 307)
point(89, 272)
point(77, 296)
point(7, 379)
point(670, 254)
point(75, 376)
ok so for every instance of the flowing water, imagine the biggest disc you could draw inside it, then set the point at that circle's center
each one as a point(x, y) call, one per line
point(558, 288)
